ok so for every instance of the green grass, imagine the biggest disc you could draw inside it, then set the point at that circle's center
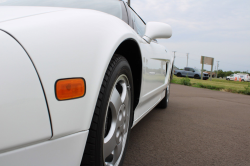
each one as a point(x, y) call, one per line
point(215, 84)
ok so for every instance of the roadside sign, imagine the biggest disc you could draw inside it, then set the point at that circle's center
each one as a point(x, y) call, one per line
point(207, 61)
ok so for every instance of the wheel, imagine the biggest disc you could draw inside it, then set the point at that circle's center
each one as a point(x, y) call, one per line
point(178, 74)
point(164, 102)
point(242, 80)
point(112, 119)
point(197, 76)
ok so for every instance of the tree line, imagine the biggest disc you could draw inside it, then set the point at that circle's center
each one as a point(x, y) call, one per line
point(222, 73)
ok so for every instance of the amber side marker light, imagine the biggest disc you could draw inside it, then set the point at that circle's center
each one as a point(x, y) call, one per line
point(70, 88)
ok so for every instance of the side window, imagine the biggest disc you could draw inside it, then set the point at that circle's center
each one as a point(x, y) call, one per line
point(139, 25)
point(186, 69)
point(190, 69)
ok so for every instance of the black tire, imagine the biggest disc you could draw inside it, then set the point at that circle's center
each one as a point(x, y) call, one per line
point(164, 102)
point(93, 153)
point(178, 74)
point(197, 76)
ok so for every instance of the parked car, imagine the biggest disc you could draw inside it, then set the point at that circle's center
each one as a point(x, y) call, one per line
point(232, 77)
point(75, 79)
point(191, 72)
point(239, 77)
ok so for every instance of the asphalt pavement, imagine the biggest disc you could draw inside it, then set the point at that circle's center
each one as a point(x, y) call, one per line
point(200, 127)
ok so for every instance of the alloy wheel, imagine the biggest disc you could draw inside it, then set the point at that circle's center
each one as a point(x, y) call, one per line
point(117, 122)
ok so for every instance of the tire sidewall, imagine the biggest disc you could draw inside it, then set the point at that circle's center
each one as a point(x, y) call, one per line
point(122, 67)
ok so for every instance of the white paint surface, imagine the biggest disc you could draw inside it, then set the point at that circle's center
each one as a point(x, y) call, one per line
point(24, 117)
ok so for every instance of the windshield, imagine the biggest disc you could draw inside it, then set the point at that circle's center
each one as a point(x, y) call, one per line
point(108, 6)
point(197, 70)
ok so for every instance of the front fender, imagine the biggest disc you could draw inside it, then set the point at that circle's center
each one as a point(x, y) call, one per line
point(70, 43)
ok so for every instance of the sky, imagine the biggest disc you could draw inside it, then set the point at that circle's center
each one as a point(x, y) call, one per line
point(213, 28)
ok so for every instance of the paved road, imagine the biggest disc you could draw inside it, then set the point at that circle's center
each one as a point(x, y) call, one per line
point(199, 127)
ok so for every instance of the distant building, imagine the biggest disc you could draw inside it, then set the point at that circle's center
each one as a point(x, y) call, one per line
point(208, 72)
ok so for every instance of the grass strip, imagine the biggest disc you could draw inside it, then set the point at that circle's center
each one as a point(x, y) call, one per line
point(215, 84)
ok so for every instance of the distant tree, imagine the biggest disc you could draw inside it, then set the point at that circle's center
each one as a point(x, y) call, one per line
point(245, 72)
point(228, 73)
point(221, 73)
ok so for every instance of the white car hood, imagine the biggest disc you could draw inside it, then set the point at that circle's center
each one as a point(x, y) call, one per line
point(15, 12)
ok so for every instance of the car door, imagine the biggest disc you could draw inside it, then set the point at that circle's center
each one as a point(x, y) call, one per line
point(191, 72)
point(155, 64)
point(232, 77)
point(185, 71)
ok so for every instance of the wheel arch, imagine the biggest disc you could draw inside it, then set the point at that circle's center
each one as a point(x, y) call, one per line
point(196, 75)
point(134, 58)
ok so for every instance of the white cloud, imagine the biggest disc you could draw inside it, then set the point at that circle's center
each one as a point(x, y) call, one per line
point(204, 27)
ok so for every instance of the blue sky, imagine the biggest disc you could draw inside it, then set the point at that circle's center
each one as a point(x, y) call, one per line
point(214, 28)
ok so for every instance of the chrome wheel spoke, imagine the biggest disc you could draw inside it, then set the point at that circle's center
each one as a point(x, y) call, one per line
point(117, 152)
point(120, 117)
point(126, 98)
point(126, 115)
point(116, 130)
point(109, 145)
point(124, 91)
point(115, 101)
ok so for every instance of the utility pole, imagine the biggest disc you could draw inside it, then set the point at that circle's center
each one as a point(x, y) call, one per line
point(173, 65)
point(202, 67)
point(128, 2)
point(174, 53)
point(211, 73)
point(187, 59)
point(217, 69)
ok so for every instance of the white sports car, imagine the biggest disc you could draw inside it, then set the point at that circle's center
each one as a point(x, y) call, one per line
point(76, 76)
